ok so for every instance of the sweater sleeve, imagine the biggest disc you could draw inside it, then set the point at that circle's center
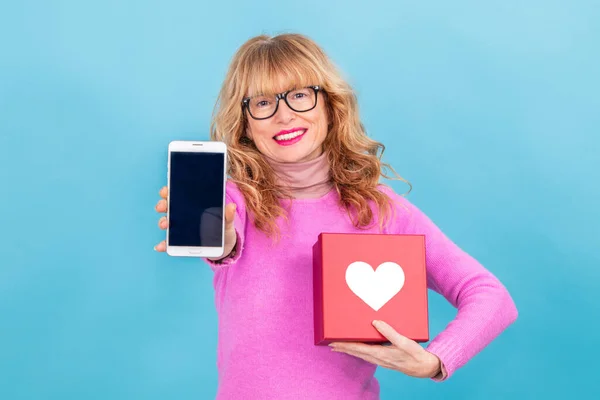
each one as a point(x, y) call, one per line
point(233, 195)
point(484, 306)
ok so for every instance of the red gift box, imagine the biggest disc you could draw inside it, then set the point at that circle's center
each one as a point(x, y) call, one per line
point(362, 277)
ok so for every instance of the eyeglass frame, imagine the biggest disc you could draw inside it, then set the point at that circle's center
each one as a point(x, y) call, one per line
point(283, 95)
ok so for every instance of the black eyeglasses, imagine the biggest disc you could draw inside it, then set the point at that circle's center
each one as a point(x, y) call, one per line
point(299, 100)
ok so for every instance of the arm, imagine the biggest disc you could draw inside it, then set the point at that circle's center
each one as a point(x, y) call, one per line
point(485, 307)
point(235, 222)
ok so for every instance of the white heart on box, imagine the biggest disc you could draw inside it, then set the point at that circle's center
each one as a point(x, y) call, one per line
point(375, 286)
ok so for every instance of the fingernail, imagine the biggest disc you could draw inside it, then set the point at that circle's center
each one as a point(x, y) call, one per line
point(375, 322)
point(154, 248)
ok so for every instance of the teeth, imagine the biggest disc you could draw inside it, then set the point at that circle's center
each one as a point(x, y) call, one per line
point(289, 136)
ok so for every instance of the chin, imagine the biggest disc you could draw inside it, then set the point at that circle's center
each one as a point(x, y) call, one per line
point(288, 158)
point(300, 157)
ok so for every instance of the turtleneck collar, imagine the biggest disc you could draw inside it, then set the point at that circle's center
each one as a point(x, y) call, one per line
point(307, 179)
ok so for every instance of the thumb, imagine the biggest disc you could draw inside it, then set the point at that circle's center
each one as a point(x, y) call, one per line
point(229, 215)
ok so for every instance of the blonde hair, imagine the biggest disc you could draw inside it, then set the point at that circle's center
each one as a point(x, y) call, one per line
point(259, 66)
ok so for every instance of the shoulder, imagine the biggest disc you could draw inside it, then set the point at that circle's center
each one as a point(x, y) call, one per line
point(233, 193)
point(405, 214)
point(398, 200)
point(409, 218)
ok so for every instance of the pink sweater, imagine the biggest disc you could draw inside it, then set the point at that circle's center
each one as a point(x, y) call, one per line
point(263, 298)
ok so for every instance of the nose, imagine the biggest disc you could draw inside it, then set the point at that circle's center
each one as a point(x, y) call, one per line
point(284, 114)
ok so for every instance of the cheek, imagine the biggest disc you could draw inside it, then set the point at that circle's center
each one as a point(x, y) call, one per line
point(248, 130)
point(322, 116)
point(322, 122)
point(258, 132)
point(252, 130)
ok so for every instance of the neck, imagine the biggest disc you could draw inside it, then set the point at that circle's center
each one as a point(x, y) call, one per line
point(305, 179)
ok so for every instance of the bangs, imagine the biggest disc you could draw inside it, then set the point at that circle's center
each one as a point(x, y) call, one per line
point(272, 70)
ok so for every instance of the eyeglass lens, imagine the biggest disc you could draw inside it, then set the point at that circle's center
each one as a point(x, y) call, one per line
point(298, 100)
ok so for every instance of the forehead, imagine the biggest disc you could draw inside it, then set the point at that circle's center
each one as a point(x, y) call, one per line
point(280, 79)
point(260, 85)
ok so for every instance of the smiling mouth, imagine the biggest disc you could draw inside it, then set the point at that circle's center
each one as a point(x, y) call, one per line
point(289, 136)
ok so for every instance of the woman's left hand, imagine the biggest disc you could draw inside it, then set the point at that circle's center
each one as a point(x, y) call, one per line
point(404, 355)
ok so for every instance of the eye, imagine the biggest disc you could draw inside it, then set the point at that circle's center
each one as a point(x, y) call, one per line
point(300, 94)
point(261, 103)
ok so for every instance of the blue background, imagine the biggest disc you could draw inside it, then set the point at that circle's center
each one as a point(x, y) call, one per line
point(490, 109)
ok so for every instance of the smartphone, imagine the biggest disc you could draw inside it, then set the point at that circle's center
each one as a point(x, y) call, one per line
point(196, 175)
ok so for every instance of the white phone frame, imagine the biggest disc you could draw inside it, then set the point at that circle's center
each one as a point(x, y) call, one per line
point(196, 147)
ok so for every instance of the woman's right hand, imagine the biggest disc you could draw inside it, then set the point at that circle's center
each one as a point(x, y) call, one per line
point(230, 235)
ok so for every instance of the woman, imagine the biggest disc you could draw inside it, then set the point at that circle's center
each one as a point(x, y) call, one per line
point(300, 163)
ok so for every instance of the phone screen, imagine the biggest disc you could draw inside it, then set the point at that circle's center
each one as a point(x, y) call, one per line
point(196, 199)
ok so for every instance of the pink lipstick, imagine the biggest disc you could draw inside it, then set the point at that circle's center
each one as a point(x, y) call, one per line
point(289, 137)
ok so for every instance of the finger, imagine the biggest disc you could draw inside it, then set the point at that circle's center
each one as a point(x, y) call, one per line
point(354, 346)
point(163, 223)
point(366, 357)
point(362, 348)
point(161, 206)
point(230, 215)
point(161, 247)
point(392, 335)
point(163, 192)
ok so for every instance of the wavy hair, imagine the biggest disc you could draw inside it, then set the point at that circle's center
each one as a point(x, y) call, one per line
point(258, 66)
